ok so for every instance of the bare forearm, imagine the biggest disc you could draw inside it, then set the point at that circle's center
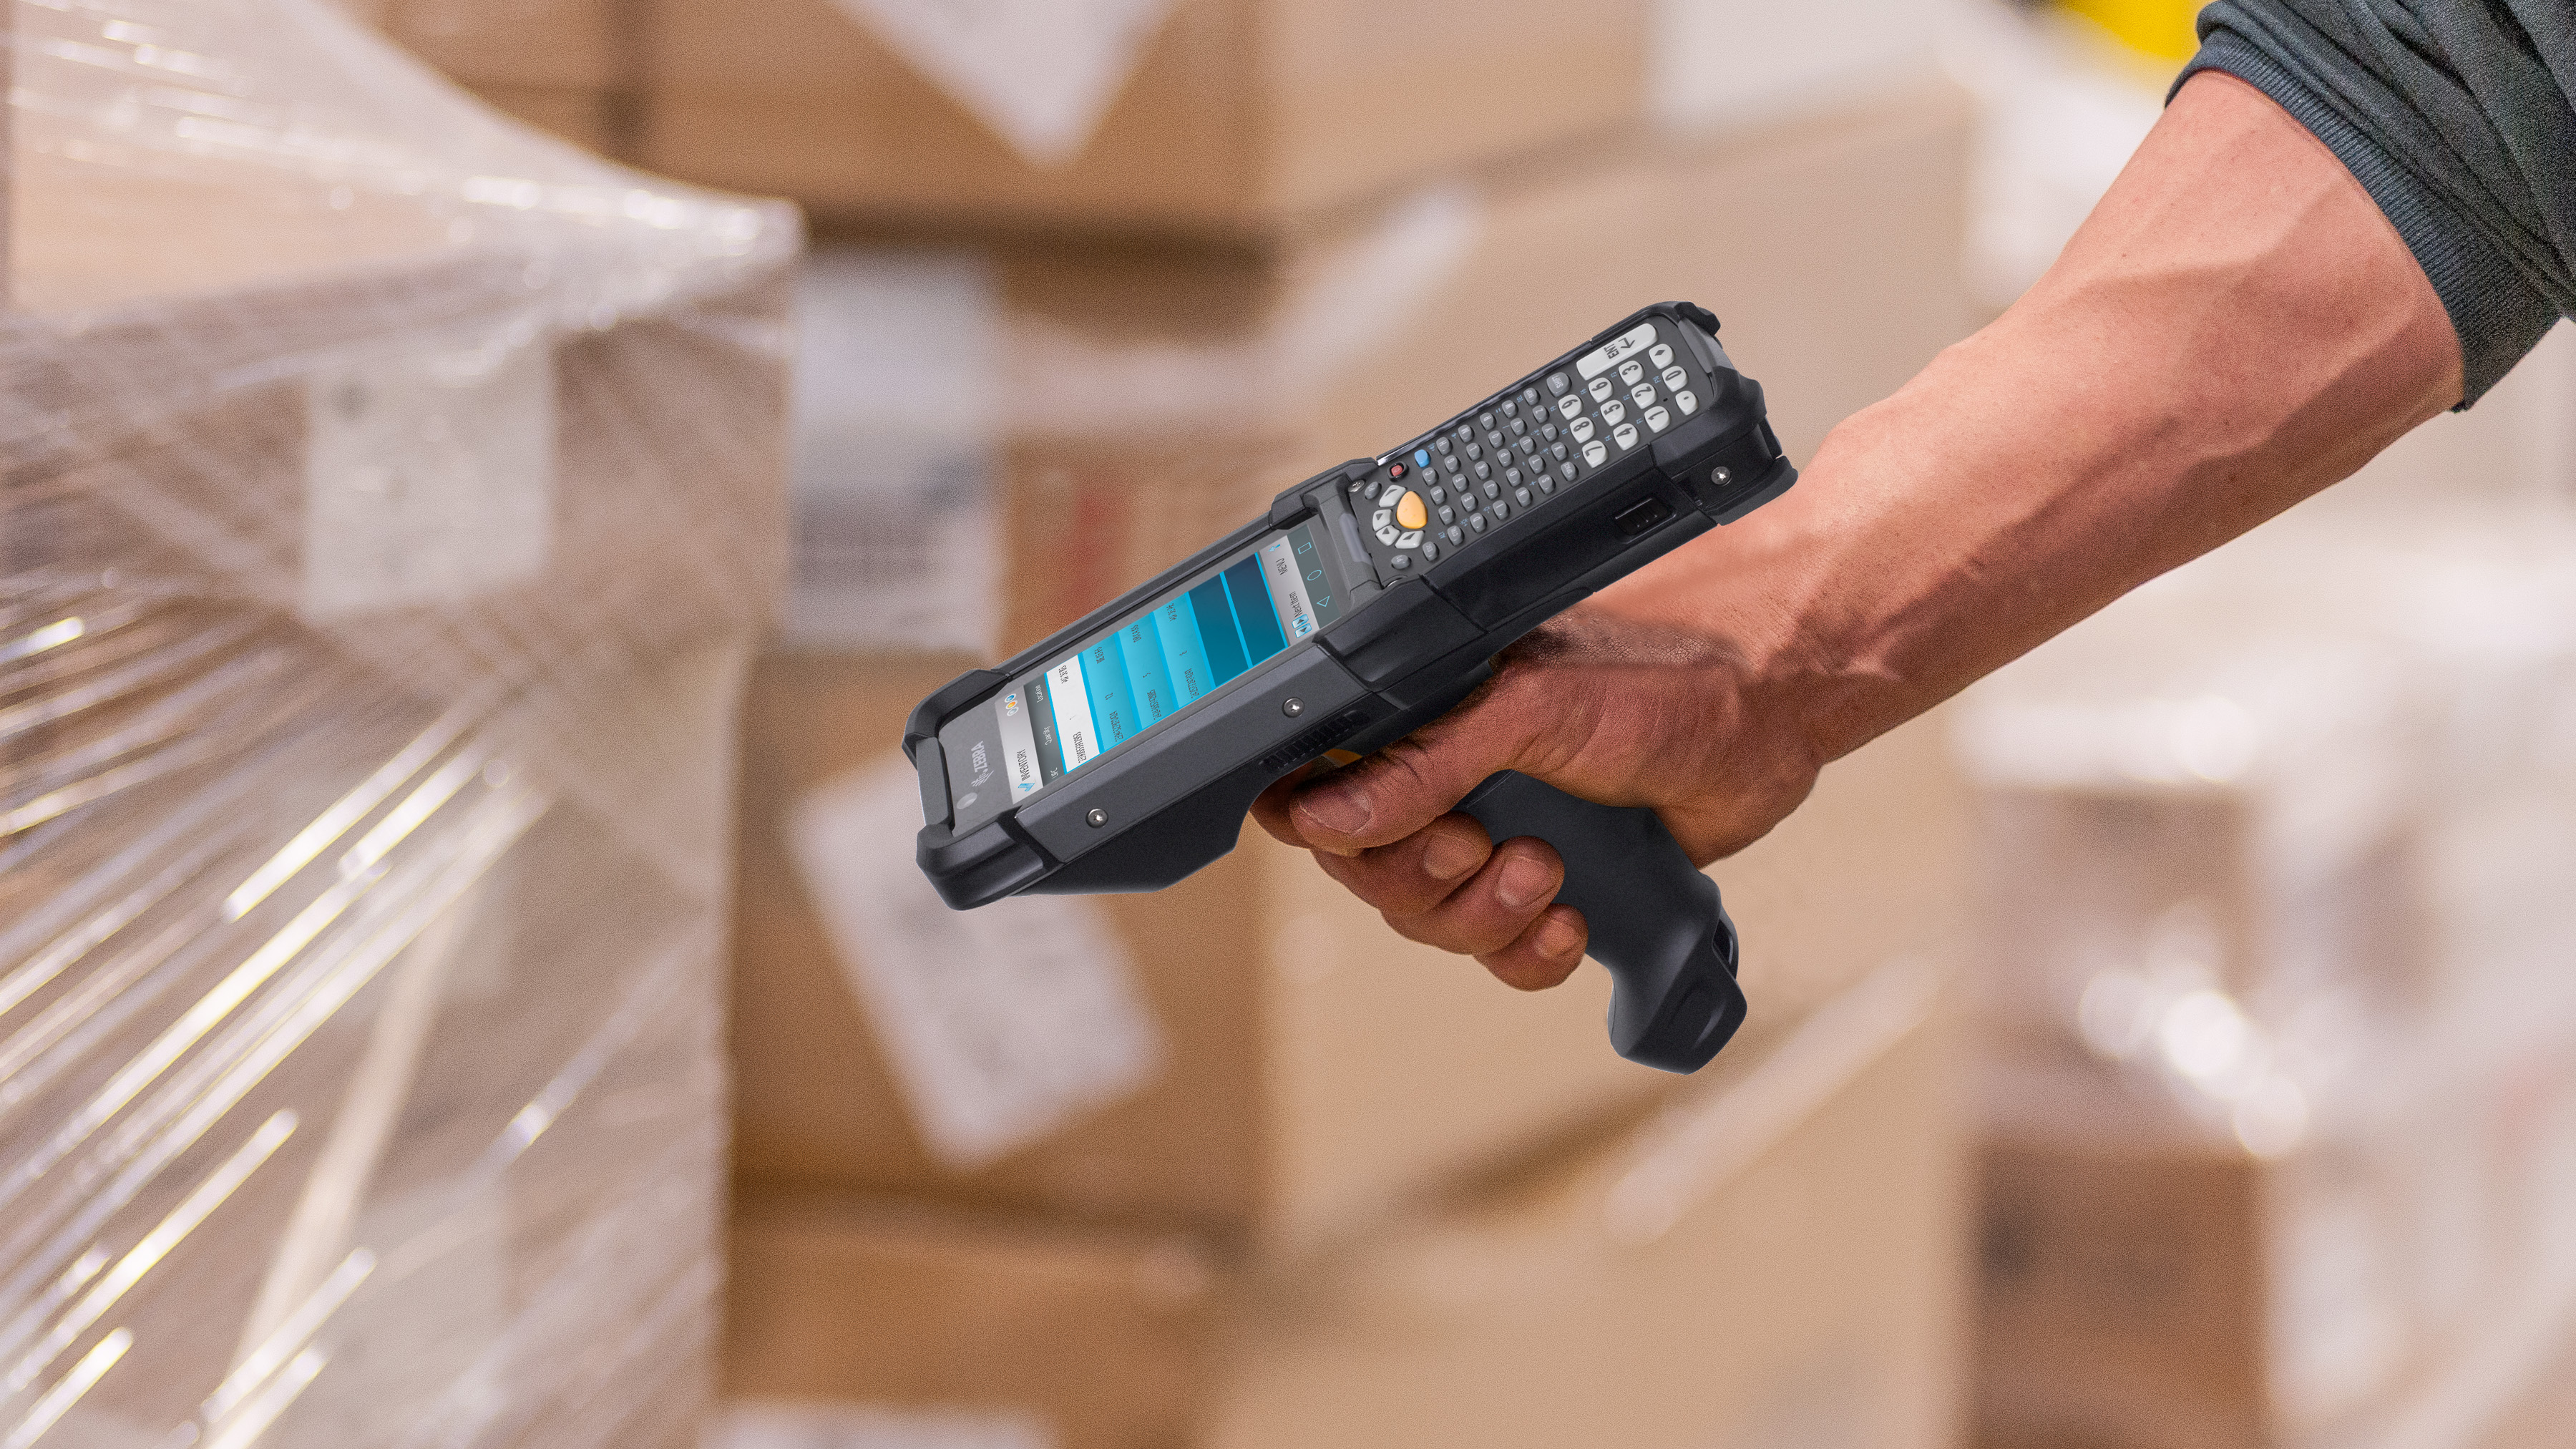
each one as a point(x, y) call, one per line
point(2235, 328)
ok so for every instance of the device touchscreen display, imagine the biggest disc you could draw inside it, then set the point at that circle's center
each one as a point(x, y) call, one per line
point(1184, 646)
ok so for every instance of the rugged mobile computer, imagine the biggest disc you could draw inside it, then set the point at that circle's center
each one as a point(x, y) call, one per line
point(1123, 753)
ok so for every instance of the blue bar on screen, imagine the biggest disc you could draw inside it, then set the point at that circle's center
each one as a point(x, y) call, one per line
point(1149, 680)
point(1113, 713)
point(1261, 636)
point(1184, 657)
point(1217, 631)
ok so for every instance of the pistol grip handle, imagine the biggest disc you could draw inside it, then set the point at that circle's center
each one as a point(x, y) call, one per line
point(1656, 923)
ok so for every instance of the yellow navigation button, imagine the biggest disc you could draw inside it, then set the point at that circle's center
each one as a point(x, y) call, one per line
point(1409, 512)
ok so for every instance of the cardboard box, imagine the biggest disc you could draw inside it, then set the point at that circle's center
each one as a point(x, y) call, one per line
point(1314, 1069)
point(1198, 115)
point(1115, 407)
point(1777, 1261)
point(2149, 1283)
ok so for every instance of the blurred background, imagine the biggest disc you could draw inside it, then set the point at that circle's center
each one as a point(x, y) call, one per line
point(463, 979)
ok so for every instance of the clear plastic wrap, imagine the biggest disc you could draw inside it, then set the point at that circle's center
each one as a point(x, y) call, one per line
point(2275, 967)
point(391, 495)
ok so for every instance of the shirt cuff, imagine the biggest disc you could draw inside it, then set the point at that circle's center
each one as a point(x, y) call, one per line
point(2496, 313)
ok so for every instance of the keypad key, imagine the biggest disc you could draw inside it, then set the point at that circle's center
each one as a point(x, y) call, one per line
point(1686, 402)
point(1582, 429)
point(1409, 539)
point(1452, 464)
point(1674, 377)
point(1388, 535)
point(1661, 354)
point(1557, 452)
point(1658, 419)
point(1594, 452)
point(1404, 560)
point(1529, 397)
point(1485, 420)
point(1521, 497)
point(1456, 535)
point(1518, 427)
point(1529, 447)
point(1600, 388)
point(1547, 431)
point(1382, 518)
point(1625, 435)
point(1546, 485)
point(1448, 515)
point(1430, 552)
point(1442, 444)
point(1631, 370)
point(1484, 471)
point(1439, 496)
point(1613, 410)
point(1463, 433)
point(1501, 510)
point(1565, 471)
point(1474, 452)
point(1475, 523)
point(1493, 490)
point(1557, 385)
point(1511, 477)
point(1495, 440)
point(1643, 394)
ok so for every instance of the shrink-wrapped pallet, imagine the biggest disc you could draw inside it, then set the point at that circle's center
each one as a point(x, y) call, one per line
point(388, 496)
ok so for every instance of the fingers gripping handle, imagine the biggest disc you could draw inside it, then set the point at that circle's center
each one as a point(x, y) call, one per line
point(1655, 921)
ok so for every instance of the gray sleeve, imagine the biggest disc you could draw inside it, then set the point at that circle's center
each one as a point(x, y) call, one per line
point(2456, 116)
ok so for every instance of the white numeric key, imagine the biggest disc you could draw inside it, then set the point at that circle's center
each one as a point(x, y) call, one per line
point(1613, 410)
point(1582, 430)
point(1625, 435)
point(1684, 400)
point(1658, 419)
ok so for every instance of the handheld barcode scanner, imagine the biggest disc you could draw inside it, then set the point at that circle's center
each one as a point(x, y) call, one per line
point(1123, 753)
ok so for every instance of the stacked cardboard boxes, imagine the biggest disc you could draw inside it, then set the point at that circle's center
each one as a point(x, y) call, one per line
point(2276, 1030)
point(1259, 1080)
point(1183, 1168)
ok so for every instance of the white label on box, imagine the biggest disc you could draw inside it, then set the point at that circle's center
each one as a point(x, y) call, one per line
point(428, 479)
point(895, 543)
point(866, 1426)
point(1002, 1023)
point(1040, 73)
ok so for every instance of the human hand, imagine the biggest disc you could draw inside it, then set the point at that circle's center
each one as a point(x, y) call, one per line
point(1613, 709)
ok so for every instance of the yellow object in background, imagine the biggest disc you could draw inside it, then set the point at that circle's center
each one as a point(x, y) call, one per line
point(2160, 28)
